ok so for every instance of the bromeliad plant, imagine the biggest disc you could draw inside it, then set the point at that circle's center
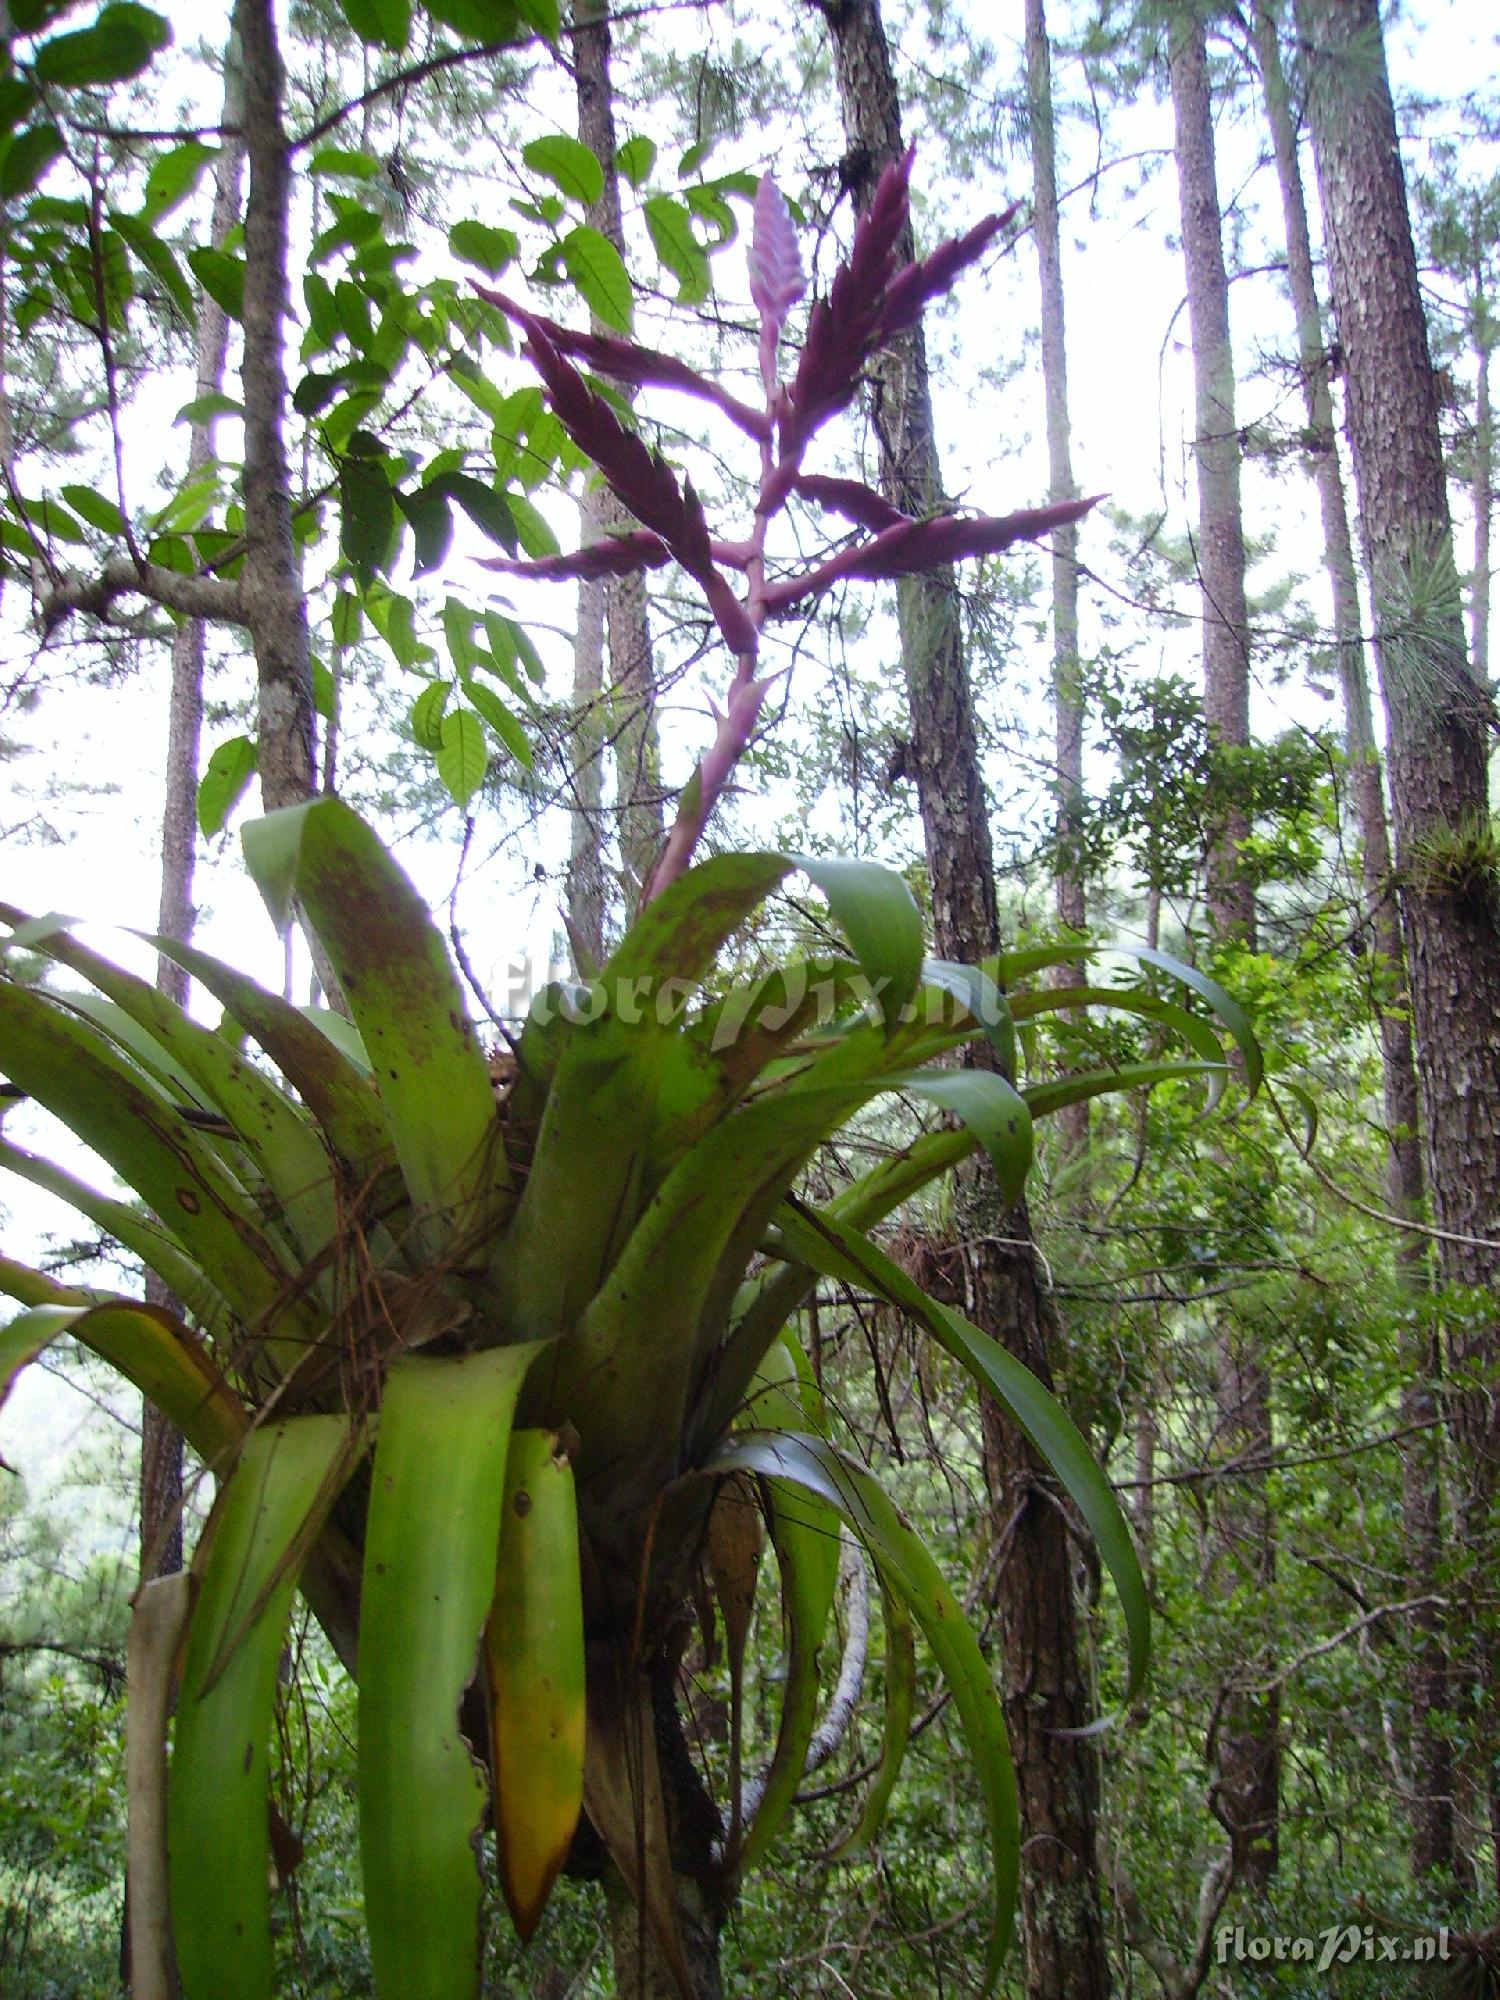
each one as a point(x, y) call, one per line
point(494, 1376)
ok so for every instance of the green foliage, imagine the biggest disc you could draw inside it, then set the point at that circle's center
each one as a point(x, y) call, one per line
point(527, 1250)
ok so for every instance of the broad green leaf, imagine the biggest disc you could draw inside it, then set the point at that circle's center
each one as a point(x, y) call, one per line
point(502, 409)
point(678, 248)
point(325, 691)
point(34, 1288)
point(405, 999)
point(487, 509)
point(17, 95)
point(905, 1567)
point(173, 177)
point(627, 1371)
point(436, 1498)
point(533, 529)
point(118, 46)
point(267, 1514)
point(222, 276)
point(384, 23)
point(544, 15)
point(481, 21)
point(462, 756)
point(367, 515)
point(344, 163)
point(395, 619)
point(426, 509)
point(568, 164)
point(54, 521)
point(26, 158)
point(426, 715)
point(535, 1680)
point(488, 249)
point(99, 512)
point(348, 619)
point(982, 1000)
point(161, 259)
point(680, 933)
point(636, 158)
point(343, 1034)
point(1229, 1011)
point(829, 1245)
point(1192, 1028)
point(226, 779)
point(598, 271)
point(151, 1350)
point(500, 719)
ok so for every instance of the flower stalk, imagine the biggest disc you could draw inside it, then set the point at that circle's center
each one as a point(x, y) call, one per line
point(873, 298)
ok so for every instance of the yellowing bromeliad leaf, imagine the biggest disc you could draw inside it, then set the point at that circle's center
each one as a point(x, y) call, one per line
point(535, 1672)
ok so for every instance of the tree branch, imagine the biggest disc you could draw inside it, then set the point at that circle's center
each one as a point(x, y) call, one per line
point(214, 598)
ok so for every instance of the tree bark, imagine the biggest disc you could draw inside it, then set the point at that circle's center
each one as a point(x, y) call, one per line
point(275, 607)
point(632, 667)
point(1067, 699)
point(1482, 477)
point(1045, 1681)
point(585, 890)
point(1440, 718)
point(1432, 1843)
point(1247, 1761)
point(161, 1445)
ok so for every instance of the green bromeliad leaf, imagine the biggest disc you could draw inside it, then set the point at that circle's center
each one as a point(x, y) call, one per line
point(406, 1002)
point(265, 1518)
point(825, 1243)
point(437, 1493)
point(330, 1081)
point(113, 1106)
point(132, 1228)
point(804, 1533)
point(905, 1567)
point(273, 1129)
point(900, 1705)
point(151, 1350)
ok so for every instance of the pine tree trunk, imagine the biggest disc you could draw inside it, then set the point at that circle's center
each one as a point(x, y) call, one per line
point(1482, 481)
point(1432, 1846)
point(632, 707)
point(1045, 1681)
point(161, 1445)
point(585, 886)
point(1247, 1773)
point(1067, 700)
point(276, 609)
point(1440, 718)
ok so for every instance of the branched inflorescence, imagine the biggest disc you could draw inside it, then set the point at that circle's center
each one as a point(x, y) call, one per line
point(874, 297)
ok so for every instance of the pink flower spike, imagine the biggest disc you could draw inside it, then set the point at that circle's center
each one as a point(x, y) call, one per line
point(776, 279)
